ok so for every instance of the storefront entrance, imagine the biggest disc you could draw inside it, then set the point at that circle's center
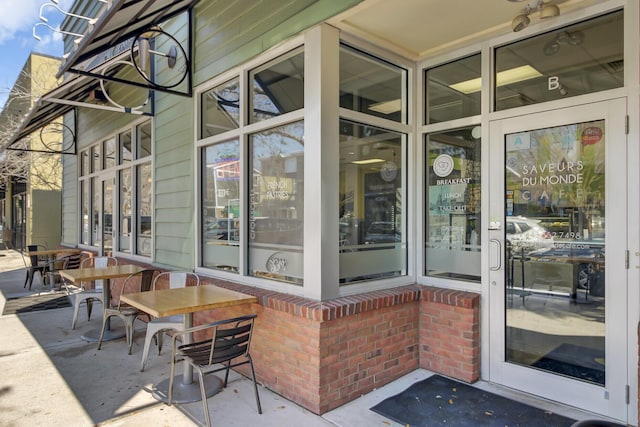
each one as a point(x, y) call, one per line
point(557, 250)
point(102, 226)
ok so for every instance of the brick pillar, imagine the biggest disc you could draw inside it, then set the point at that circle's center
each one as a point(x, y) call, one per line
point(450, 333)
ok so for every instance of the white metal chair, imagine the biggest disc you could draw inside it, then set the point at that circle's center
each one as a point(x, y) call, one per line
point(86, 293)
point(158, 326)
point(135, 282)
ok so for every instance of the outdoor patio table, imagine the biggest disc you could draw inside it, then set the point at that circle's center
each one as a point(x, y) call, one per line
point(186, 301)
point(54, 252)
point(107, 273)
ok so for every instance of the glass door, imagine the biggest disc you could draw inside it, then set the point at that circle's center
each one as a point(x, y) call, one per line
point(558, 306)
point(102, 226)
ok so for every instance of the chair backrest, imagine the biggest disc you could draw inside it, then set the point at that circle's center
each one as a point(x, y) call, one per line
point(98, 262)
point(72, 261)
point(36, 259)
point(138, 282)
point(231, 339)
point(175, 279)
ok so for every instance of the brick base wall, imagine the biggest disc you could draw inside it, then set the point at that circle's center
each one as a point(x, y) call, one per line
point(450, 333)
point(322, 355)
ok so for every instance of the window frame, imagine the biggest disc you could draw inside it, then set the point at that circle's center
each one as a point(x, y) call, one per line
point(87, 179)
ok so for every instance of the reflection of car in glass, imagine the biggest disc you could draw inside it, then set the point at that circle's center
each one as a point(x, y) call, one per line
point(221, 229)
point(382, 232)
point(526, 233)
point(589, 258)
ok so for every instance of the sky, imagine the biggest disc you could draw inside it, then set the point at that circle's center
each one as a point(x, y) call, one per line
point(16, 36)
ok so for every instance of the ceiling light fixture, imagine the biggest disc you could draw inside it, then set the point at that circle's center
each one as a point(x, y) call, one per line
point(367, 161)
point(522, 21)
point(510, 76)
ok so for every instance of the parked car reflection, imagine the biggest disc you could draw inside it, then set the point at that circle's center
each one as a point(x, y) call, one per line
point(589, 257)
point(221, 229)
point(526, 234)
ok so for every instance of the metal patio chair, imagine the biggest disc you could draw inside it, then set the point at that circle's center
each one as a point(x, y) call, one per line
point(159, 325)
point(223, 341)
point(136, 282)
point(89, 292)
point(39, 264)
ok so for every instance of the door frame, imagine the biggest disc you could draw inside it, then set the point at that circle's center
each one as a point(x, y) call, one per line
point(611, 400)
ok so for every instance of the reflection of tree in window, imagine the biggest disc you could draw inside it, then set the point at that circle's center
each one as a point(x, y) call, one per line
point(278, 184)
point(278, 87)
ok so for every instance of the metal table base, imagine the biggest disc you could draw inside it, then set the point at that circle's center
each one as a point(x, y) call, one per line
point(187, 393)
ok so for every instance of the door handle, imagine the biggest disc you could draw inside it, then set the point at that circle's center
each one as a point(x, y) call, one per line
point(498, 245)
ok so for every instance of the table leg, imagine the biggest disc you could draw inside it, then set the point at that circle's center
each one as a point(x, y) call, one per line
point(188, 389)
point(109, 334)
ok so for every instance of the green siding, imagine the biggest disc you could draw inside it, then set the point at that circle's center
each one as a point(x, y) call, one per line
point(231, 32)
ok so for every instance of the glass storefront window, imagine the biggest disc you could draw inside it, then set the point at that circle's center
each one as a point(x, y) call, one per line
point(276, 211)
point(579, 59)
point(221, 221)
point(145, 212)
point(126, 210)
point(372, 193)
point(453, 90)
point(85, 194)
point(277, 87)
point(124, 139)
point(109, 153)
point(143, 140)
point(85, 164)
point(372, 86)
point(95, 216)
point(220, 109)
point(452, 231)
point(96, 158)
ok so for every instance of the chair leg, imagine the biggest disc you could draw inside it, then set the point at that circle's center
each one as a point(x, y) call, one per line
point(104, 324)
point(205, 405)
point(255, 385)
point(159, 341)
point(145, 350)
point(89, 302)
point(26, 280)
point(76, 308)
point(171, 377)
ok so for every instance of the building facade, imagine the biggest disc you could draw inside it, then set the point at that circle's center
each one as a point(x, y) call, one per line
point(402, 184)
point(30, 176)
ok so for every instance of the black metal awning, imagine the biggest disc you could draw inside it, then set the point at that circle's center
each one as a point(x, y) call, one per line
point(100, 56)
point(117, 29)
point(80, 91)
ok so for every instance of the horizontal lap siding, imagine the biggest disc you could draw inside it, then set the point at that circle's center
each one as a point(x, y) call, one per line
point(231, 32)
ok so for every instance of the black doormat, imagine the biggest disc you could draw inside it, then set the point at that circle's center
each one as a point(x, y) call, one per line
point(36, 303)
point(438, 401)
point(575, 361)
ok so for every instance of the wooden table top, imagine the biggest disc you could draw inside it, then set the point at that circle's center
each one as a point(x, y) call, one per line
point(66, 251)
point(169, 302)
point(113, 271)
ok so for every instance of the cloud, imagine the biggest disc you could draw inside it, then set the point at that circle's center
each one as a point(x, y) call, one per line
point(17, 16)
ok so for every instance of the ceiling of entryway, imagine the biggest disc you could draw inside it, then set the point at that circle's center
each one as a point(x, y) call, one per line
point(418, 28)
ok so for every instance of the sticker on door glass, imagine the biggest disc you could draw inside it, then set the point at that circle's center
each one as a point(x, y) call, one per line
point(443, 165)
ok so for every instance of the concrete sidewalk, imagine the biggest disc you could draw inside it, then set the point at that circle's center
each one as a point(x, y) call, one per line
point(50, 376)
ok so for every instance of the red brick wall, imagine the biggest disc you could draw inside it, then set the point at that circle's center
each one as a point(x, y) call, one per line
point(365, 351)
point(322, 355)
point(450, 333)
